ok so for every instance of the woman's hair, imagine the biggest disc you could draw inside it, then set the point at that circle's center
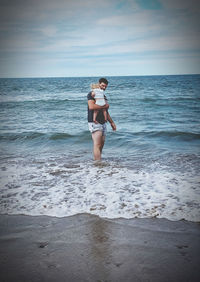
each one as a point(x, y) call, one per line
point(94, 85)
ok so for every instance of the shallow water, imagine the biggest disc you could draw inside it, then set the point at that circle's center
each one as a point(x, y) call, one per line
point(150, 165)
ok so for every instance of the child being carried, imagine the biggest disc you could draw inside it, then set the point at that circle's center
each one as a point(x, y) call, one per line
point(98, 95)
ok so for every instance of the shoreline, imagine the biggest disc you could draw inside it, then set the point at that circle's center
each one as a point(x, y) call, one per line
point(85, 247)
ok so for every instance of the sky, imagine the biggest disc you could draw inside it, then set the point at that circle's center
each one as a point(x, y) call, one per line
point(70, 38)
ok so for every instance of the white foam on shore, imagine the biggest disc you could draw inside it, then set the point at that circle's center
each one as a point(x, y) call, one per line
point(60, 188)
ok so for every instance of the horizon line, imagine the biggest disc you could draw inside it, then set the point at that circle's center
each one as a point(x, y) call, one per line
point(94, 76)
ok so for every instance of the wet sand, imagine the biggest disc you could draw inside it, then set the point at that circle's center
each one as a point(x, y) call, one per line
point(87, 248)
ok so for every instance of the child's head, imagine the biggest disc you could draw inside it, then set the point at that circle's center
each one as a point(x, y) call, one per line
point(94, 85)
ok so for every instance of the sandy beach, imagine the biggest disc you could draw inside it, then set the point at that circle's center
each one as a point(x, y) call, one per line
point(88, 248)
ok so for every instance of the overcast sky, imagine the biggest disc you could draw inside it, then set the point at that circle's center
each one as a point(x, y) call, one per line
point(42, 38)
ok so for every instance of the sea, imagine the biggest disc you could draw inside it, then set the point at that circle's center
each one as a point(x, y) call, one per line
point(150, 166)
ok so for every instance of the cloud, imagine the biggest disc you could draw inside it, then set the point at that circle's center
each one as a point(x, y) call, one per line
point(49, 31)
point(192, 5)
point(68, 33)
point(149, 4)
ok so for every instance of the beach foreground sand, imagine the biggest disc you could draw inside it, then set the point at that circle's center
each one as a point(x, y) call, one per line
point(88, 248)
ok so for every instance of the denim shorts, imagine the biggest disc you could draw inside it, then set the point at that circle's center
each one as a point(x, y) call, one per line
point(97, 127)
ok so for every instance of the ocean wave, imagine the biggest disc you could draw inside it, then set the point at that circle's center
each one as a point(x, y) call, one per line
point(59, 136)
point(147, 99)
point(23, 136)
point(29, 100)
point(160, 101)
point(117, 137)
point(168, 134)
point(173, 134)
point(64, 187)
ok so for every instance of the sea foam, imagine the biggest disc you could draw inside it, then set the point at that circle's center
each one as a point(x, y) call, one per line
point(58, 187)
